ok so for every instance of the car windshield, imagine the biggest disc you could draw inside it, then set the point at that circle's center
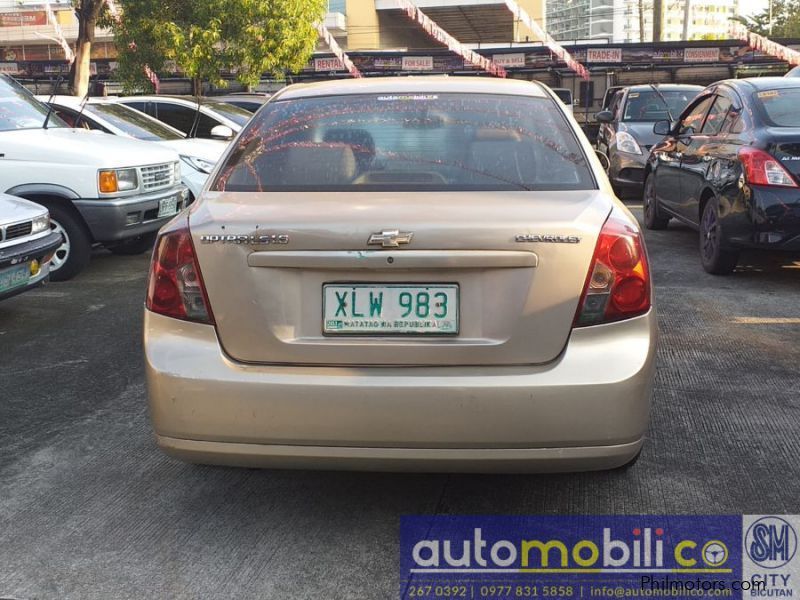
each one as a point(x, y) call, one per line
point(407, 142)
point(780, 106)
point(235, 113)
point(20, 110)
point(132, 122)
point(648, 106)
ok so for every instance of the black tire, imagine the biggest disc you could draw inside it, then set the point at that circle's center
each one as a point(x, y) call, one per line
point(715, 258)
point(652, 216)
point(72, 256)
point(137, 245)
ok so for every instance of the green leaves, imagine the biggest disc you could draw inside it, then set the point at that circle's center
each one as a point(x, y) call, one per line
point(206, 37)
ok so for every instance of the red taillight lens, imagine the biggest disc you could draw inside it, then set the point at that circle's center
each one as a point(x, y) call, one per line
point(761, 168)
point(175, 288)
point(618, 284)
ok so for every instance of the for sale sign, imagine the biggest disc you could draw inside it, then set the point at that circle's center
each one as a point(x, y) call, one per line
point(604, 55)
point(417, 63)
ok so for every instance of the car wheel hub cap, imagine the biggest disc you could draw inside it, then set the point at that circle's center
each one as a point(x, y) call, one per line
point(62, 252)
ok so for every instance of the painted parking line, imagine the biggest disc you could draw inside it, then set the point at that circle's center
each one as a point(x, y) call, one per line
point(767, 320)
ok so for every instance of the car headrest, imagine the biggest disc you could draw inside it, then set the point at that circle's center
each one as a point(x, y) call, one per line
point(325, 164)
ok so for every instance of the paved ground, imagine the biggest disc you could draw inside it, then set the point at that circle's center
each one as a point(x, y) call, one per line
point(90, 509)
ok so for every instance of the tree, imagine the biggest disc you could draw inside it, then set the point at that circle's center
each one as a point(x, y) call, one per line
point(205, 37)
point(785, 20)
point(88, 13)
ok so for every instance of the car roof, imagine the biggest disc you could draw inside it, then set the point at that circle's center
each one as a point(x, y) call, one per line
point(666, 87)
point(184, 99)
point(75, 101)
point(413, 85)
point(761, 83)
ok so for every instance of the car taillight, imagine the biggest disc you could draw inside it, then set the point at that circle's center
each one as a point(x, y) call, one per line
point(618, 284)
point(175, 288)
point(761, 168)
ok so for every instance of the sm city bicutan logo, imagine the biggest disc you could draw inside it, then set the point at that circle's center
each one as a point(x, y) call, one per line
point(770, 542)
point(642, 550)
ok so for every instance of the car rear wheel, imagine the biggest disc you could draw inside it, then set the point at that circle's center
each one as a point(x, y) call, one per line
point(716, 259)
point(72, 256)
point(137, 245)
point(652, 216)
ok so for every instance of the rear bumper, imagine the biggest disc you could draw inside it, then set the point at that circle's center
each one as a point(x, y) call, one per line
point(769, 218)
point(586, 410)
point(115, 219)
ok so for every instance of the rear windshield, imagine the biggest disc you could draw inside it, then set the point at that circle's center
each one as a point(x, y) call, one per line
point(414, 142)
point(780, 106)
point(649, 106)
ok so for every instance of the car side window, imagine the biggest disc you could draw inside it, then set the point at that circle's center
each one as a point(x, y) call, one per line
point(693, 122)
point(180, 117)
point(614, 106)
point(716, 116)
point(140, 106)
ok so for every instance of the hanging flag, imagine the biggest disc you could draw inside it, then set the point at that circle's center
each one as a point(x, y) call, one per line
point(62, 41)
point(551, 43)
point(759, 42)
point(337, 50)
point(440, 35)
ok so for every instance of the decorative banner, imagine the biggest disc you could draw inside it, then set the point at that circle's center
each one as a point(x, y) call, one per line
point(337, 50)
point(62, 41)
point(10, 68)
point(759, 42)
point(441, 36)
point(417, 63)
point(709, 55)
point(554, 46)
point(604, 55)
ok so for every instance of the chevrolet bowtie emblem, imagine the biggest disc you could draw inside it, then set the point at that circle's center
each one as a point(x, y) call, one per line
point(390, 239)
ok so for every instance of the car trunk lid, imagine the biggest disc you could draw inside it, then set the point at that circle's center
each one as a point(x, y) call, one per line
point(518, 262)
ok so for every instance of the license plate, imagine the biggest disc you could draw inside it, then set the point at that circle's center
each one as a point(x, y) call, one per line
point(372, 309)
point(14, 277)
point(167, 206)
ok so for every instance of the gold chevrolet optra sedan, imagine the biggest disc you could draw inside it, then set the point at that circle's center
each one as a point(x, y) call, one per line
point(408, 274)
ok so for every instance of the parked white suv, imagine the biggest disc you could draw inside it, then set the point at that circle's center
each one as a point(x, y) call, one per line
point(99, 188)
point(26, 245)
point(198, 155)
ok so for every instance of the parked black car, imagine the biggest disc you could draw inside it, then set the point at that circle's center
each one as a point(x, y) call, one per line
point(626, 129)
point(730, 168)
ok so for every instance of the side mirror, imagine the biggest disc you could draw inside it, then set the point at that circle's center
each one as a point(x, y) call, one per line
point(222, 132)
point(603, 158)
point(662, 127)
point(604, 116)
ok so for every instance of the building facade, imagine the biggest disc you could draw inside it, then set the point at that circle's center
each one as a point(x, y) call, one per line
point(632, 20)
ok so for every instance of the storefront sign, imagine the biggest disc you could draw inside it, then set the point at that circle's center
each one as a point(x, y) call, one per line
point(417, 63)
point(604, 55)
point(510, 60)
point(701, 55)
point(328, 64)
point(22, 19)
point(10, 68)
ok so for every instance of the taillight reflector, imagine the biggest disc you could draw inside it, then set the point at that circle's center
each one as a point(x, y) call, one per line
point(618, 284)
point(761, 168)
point(175, 287)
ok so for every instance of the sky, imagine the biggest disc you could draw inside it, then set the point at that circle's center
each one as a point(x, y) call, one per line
point(752, 7)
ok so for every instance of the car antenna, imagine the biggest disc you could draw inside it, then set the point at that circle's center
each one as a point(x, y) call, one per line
point(664, 100)
point(50, 101)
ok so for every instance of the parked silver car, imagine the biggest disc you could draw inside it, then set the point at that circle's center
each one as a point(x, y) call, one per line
point(26, 245)
point(404, 273)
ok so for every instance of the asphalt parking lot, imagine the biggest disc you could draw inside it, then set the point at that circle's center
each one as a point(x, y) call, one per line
point(89, 508)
